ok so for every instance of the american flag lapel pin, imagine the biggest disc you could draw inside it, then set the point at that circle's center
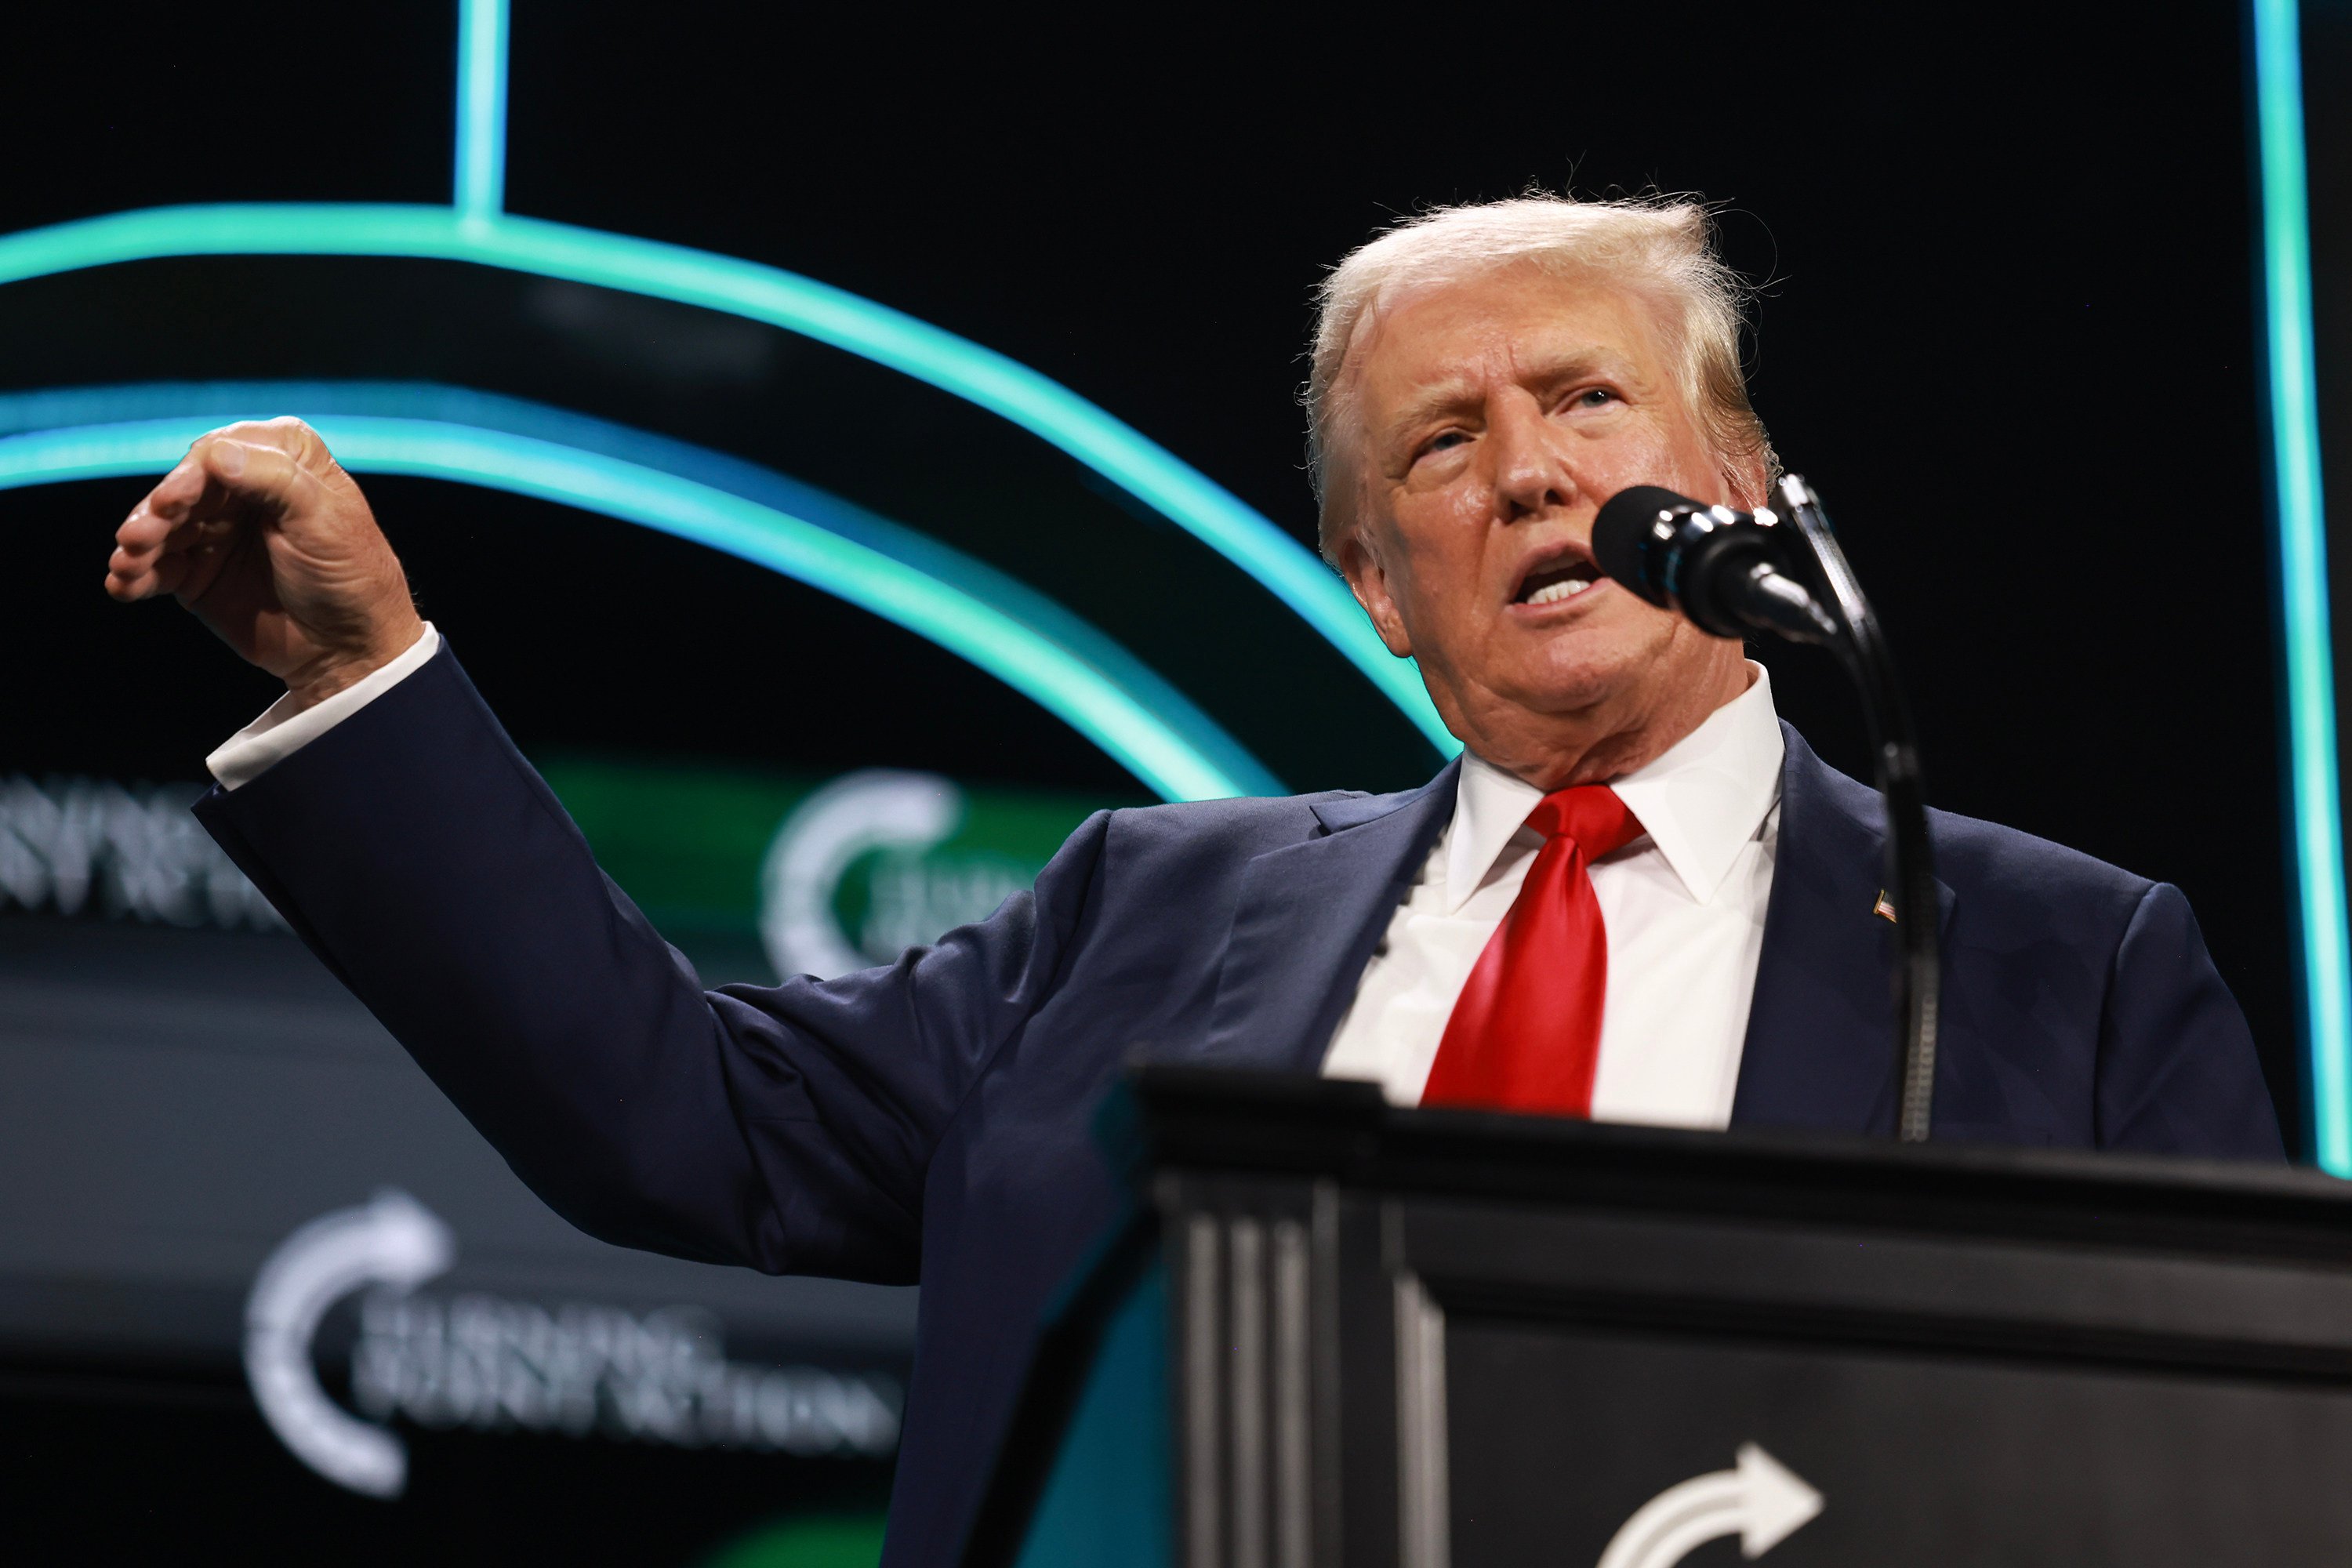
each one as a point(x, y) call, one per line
point(1885, 907)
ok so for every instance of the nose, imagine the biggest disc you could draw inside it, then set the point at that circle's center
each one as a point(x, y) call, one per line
point(1530, 478)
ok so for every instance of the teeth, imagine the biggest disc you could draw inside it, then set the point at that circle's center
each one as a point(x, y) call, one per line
point(1553, 593)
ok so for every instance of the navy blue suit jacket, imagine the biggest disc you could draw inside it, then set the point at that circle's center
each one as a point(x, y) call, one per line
point(930, 1120)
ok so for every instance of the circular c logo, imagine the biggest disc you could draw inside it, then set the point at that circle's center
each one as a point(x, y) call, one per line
point(858, 813)
point(393, 1240)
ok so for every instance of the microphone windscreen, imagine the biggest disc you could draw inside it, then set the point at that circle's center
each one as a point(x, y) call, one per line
point(1623, 524)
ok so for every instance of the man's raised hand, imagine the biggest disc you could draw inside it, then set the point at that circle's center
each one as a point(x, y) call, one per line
point(261, 533)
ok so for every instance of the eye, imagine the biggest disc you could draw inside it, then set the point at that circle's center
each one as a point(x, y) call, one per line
point(1593, 398)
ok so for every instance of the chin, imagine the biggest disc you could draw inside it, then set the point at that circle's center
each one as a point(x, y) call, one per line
point(1575, 673)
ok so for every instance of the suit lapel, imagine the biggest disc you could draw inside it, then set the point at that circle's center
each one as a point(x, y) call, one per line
point(1308, 919)
point(1821, 1031)
point(1820, 1049)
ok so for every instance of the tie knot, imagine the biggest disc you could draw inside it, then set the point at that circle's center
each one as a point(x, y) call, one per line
point(1590, 816)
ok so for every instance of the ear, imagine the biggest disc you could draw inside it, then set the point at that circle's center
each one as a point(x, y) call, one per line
point(1367, 578)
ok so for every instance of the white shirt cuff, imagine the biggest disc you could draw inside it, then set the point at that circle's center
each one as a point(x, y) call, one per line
point(283, 731)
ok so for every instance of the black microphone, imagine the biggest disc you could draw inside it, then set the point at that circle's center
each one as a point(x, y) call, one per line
point(1734, 572)
point(1722, 569)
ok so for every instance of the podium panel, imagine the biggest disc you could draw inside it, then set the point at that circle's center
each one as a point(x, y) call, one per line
point(1339, 1333)
point(1916, 1458)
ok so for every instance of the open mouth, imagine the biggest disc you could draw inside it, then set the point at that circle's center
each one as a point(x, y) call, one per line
point(1549, 581)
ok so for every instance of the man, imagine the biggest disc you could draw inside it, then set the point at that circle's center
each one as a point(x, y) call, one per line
point(1639, 895)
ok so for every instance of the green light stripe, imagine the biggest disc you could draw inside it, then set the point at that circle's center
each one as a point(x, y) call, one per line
point(833, 316)
point(1140, 734)
point(481, 175)
point(2303, 581)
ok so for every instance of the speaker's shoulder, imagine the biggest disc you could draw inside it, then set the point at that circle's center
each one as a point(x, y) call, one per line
point(1990, 862)
point(1245, 825)
point(1970, 850)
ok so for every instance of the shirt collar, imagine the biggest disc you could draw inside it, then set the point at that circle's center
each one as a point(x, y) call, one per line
point(1700, 800)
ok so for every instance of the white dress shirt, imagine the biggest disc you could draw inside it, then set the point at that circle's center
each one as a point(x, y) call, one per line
point(1684, 905)
point(282, 730)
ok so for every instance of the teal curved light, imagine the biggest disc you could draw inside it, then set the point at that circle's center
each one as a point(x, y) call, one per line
point(1027, 641)
point(833, 316)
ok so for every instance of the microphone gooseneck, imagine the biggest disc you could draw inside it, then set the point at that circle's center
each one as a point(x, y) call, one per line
point(1732, 572)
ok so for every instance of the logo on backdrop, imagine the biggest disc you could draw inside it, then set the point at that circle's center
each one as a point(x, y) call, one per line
point(892, 826)
point(76, 844)
point(393, 1241)
point(494, 1364)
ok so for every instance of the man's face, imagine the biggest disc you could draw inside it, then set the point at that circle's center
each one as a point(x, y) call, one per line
point(1493, 418)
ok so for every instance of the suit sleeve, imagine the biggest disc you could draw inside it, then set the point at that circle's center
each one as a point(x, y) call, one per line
point(790, 1128)
point(2178, 1073)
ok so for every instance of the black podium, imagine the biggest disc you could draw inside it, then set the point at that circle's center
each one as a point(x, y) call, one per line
point(1334, 1333)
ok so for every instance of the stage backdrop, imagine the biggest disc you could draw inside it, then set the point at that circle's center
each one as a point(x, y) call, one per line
point(846, 451)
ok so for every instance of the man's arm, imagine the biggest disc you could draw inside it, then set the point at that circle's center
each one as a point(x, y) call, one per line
point(791, 1129)
point(419, 854)
point(285, 729)
point(2178, 1073)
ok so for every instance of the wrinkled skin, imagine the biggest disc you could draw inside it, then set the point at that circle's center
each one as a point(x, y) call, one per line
point(261, 533)
point(1491, 417)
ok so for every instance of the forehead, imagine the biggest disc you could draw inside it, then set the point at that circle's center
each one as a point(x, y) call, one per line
point(1508, 324)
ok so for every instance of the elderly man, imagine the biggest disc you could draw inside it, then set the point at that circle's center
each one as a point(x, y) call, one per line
point(1638, 897)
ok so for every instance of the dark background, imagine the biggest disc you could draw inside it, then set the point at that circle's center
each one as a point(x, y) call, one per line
point(2008, 268)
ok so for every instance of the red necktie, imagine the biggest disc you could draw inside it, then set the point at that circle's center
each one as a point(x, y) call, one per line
point(1526, 1031)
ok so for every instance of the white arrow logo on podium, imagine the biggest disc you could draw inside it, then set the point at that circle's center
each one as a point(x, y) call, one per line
point(1762, 1502)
